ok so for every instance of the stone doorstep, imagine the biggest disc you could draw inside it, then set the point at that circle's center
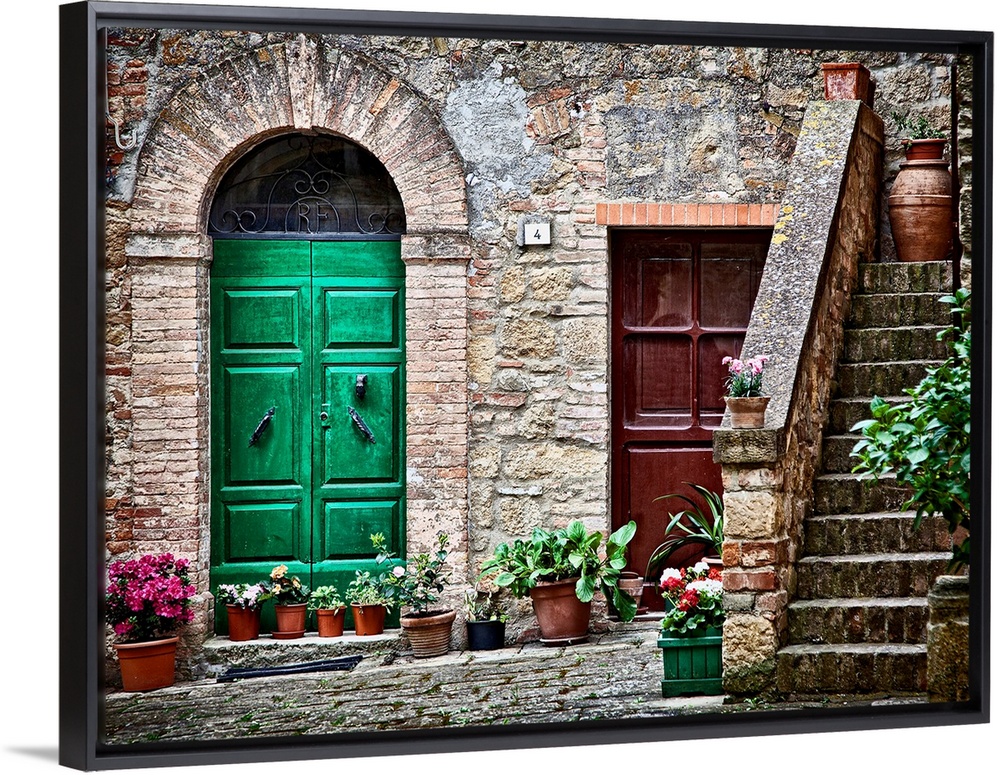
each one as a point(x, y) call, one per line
point(392, 647)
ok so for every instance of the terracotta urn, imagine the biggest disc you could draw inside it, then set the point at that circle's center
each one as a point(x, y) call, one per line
point(920, 204)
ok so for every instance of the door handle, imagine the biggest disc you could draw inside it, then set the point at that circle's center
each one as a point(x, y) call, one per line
point(362, 425)
point(261, 426)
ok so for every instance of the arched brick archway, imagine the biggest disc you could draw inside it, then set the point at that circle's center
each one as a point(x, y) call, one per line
point(300, 85)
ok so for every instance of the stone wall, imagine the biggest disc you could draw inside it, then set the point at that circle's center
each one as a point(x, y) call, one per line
point(508, 364)
point(827, 224)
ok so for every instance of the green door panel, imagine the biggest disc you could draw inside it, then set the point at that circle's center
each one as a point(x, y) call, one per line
point(348, 452)
point(348, 526)
point(362, 317)
point(268, 532)
point(253, 393)
point(261, 258)
point(294, 324)
point(357, 259)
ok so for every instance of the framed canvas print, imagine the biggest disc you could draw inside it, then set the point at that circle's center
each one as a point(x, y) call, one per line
point(448, 382)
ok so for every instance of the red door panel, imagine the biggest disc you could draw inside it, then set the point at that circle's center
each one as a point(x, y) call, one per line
point(681, 301)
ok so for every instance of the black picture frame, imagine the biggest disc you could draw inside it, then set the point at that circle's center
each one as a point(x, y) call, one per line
point(82, 403)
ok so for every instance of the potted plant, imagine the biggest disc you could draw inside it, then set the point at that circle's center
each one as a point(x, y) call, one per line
point(691, 631)
point(485, 619)
point(416, 586)
point(561, 570)
point(696, 526)
point(745, 397)
point(921, 140)
point(330, 610)
point(146, 601)
point(290, 599)
point(920, 203)
point(368, 595)
point(243, 603)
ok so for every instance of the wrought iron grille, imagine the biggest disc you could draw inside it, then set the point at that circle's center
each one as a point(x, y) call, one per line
point(307, 185)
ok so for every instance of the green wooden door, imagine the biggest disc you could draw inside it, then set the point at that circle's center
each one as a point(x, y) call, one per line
point(308, 339)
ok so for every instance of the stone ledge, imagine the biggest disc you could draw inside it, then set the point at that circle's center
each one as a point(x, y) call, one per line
point(757, 445)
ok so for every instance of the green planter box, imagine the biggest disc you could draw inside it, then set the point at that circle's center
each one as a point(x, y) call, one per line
point(691, 665)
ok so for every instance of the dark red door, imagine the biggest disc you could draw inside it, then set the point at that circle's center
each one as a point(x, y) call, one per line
point(681, 301)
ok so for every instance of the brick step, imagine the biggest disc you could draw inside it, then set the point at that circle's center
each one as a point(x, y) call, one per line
point(880, 379)
point(852, 668)
point(905, 277)
point(849, 494)
point(902, 574)
point(846, 412)
point(898, 310)
point(883, 532)
point(858, 620)
point(864, 345)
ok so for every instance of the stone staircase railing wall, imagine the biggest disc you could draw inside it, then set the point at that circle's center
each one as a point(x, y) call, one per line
point(827, 224)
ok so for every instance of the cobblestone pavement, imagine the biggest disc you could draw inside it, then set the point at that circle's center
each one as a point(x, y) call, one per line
point(614, 676)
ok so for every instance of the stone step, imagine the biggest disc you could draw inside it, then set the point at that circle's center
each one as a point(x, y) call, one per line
point(903, 574)
point(906, 277)
point(849, 494)
point(882, 532)
point(880, 379)
point(266, 651)
point(858, 620)
point(865, 345)
point(837, 453)
point(852, 668)
point(846, 412)
point(892, 310)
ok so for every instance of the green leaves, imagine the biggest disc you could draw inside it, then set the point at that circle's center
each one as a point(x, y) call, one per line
point(925, 441)
point(554, 555)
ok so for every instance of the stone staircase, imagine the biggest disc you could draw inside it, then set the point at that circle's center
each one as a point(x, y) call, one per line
point(858, 626)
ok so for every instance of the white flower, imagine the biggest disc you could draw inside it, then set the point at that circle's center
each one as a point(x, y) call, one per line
point(701, 567)
point(399, 571)
point(670, 573)
point(710, 586)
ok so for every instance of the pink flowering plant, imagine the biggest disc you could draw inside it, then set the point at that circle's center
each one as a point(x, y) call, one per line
point(148, 598)
point(746, 378)
point(696, 596)
point(247, 596)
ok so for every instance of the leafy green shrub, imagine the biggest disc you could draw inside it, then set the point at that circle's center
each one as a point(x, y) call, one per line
point(924, 441)
point(569, 552)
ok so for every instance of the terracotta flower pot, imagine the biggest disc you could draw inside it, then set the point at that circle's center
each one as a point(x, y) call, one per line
point(147, 665)
point(920, 213)
point(244, 623)
point(630, 583)
point(563, 619)
point(747, 412)
point(926, 148)
point(291, 621)
point(430, 633)
point(368, 619)
point(330, 621)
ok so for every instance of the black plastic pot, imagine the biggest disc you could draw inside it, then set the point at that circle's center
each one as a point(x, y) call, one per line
point(485, 635)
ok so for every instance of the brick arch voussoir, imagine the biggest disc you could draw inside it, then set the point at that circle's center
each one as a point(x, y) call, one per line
point(297, 85)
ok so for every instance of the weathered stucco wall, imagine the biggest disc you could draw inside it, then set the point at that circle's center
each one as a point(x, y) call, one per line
point(539, 129)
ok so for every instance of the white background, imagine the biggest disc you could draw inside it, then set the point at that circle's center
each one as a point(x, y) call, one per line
point(29, 403)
